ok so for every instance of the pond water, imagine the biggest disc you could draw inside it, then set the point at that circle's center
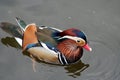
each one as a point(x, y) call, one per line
point(99, 19)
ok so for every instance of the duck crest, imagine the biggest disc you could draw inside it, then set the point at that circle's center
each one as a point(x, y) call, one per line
point(29, 33)
point(70, 50)
point(68, 32)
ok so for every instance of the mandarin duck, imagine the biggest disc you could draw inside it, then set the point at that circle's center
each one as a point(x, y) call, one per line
point(48, 44)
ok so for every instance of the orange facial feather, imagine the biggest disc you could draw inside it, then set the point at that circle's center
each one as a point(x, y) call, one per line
point(71, 50)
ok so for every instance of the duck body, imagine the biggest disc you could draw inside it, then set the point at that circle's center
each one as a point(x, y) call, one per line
point(47, 43)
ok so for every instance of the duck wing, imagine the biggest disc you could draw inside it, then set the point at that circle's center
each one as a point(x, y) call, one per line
point(46, 35)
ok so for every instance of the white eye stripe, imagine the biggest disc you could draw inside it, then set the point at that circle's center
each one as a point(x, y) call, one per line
point(72, 37)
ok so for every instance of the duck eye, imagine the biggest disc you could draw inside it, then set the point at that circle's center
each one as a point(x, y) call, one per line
point(78, 40)
point(81, 42)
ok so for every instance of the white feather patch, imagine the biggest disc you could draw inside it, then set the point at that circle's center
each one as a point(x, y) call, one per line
point(45, 46)
point(19, 41)
point(56, 29)
point(71, 37)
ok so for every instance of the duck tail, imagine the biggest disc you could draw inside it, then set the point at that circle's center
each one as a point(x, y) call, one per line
point(14, 30)
point(11, 29)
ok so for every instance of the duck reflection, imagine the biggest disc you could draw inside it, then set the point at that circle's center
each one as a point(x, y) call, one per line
point(10, 41)
point(75, 70)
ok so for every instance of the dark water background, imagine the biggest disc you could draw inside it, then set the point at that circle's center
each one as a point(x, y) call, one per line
point(99, 19)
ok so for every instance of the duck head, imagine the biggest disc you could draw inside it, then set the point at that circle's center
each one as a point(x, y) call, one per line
point(76, 35)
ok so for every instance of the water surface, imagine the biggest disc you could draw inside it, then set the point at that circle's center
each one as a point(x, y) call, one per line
point(99, 19)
